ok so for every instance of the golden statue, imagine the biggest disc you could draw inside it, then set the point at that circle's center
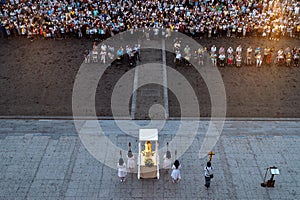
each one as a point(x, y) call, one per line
point(148, 148)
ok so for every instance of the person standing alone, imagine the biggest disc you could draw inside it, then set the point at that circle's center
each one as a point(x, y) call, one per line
point(208, 174)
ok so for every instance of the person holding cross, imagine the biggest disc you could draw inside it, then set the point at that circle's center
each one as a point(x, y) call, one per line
point(208, 174)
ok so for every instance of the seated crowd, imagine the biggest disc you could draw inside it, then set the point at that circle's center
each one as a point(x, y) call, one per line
point(237, 56)
point(184, 54)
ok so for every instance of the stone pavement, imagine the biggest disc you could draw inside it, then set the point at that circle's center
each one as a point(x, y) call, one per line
point(45, 159)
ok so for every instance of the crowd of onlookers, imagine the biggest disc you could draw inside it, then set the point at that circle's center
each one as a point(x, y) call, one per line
point(106, 53)
point(236, 56)
point(208, 18)
point(184, 54)
point(102, 19)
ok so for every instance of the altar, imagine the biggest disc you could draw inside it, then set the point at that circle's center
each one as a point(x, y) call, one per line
point(148, 159)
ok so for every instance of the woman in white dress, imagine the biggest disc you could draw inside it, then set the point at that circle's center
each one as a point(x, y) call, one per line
point(122, 172)
point(130, 161)
point(176, 172)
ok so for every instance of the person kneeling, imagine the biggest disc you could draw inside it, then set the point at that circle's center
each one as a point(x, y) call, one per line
point(176, 172)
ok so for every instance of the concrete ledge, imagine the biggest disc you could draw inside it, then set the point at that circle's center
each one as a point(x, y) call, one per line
point(128, 118)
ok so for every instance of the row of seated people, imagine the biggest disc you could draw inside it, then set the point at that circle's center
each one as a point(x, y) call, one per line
point(107, 54)
point(237, 57)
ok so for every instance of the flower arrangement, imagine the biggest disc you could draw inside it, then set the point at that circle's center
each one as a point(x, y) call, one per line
point(147, 154)
point(149, 162)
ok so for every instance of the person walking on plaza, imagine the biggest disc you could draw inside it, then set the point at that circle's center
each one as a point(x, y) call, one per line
point(176, 176)
point(208, 174)
point(122, 171)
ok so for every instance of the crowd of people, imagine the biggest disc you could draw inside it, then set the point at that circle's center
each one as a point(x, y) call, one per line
point(106, 53)
point(183, 54)
point(237, 56)
point(209, 18)
point(102, 19)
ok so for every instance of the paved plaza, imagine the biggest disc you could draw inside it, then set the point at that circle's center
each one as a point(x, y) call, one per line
point(45, 159)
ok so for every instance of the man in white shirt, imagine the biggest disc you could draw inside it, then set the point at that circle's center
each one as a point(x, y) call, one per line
point(208, 174)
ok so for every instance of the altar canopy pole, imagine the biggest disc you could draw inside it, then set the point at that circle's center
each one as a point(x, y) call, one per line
point(157, 158)
point(139, 160)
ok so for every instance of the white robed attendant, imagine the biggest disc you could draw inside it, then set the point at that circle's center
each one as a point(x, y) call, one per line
point(176, 176)
point(122, 171)
point(167, 162)
point(130, 161)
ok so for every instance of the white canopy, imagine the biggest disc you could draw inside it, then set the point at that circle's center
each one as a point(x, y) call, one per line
point(148, 135)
